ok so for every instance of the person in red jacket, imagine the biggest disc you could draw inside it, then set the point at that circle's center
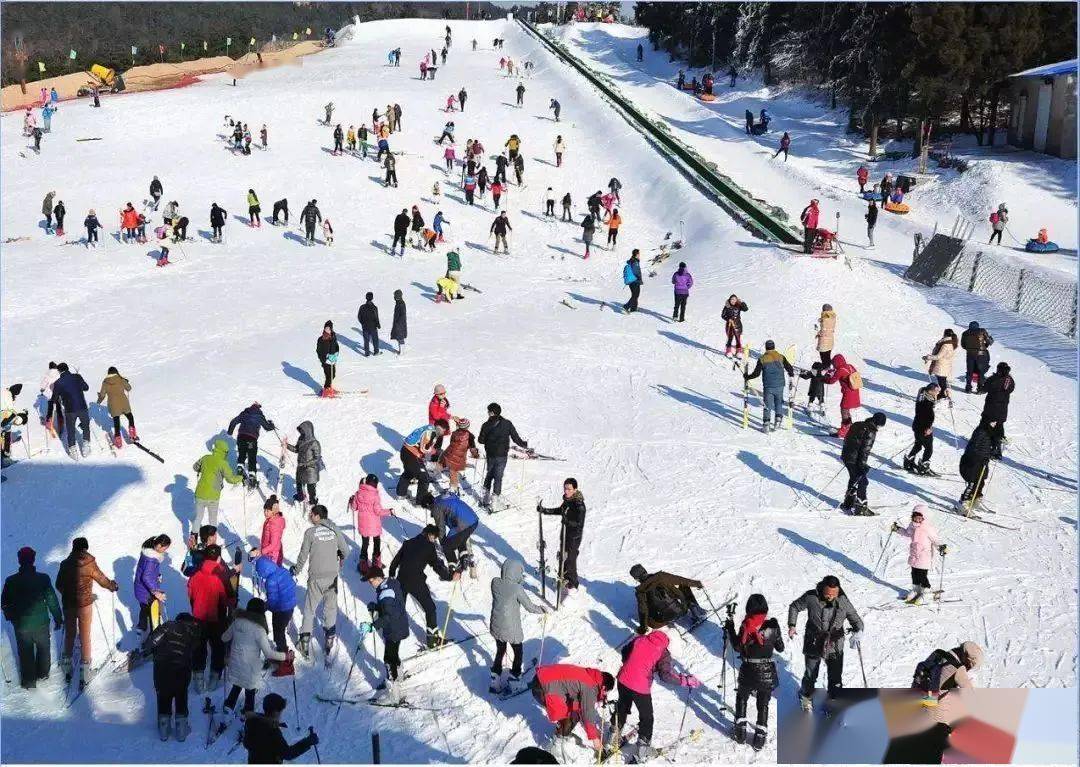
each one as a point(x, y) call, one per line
point(439, 407)
point(862, 175)
point(209, 600)
point(809, 220)
point(571, 694)
point(129, 221)
point(850, 383)
point(272, 530)
point(643, 658)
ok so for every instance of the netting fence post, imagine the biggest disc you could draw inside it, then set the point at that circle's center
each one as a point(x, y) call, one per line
point(1020, 290)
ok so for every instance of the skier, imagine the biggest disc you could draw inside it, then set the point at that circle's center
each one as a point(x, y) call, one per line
point(756, 640)
point(449, 156)
point(632, 279)
point(37, 133)
point(447, 133)
point(172, 646)
point(362, 138)
point(615, 188)
point(998, 389)
point(946, 670)
point(209, 593)
point(572, 531)
point(850, 385)
point(998, 220)
point(749, 117)
point(560, 149)
point(280, 589)
point(941, 360)
point(326, 548)
point(456, 523)
point(461, 96)
point(147, 586)
point(329, 112)
point(254, 209)
point(519, 169)
point(10, 417)
point(815, 389)
point(570, 694)
point(555, 107)
point(263, 739)
point(513, 146)
point(497, 188)
point(171, 212)
point(645, 657)
point(499, 227)
point(974, 463)
point(809, 219)
point(217, 221)
point(437, 225)
point(469, 185)
point(392, 622)
point(350, 138)
point(683, 281)
point(566, 216)
point(976, 341)
point(588, 226)
point(247, 424)
point(396, 112)
point(368, 317)
point(156, 192)
point(924, 538)
point(75, 581)
point(549, 202)
point(399, 330)
point(213, 470)
point(272, 530)
point(28, 600)
point(614, 222)
point(59, 211)
point(855, 455)
point(495, 436)
point(507, 599)
point(640, 52)
point(771, 366)
point(68, 391)
point(785, 144)
point(408, 566)
point(115, 387)
point(401, 228)
point(248, 641)
point(731, 314)
point(310, 215)
point(420, 446)
point(664, 598)
point(367, 506)
point(501, 162)
point(454, 459)
point(826, 607)
point(593, 204)
point(416, 225)
point(922, 427)
point(824, 334)
point(308, 458)
point(871, 221)
point(92, 225)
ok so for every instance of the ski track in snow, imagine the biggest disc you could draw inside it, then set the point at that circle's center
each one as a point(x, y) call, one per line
point(646, 413)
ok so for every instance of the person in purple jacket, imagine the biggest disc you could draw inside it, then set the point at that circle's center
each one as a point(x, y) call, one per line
point(148, 582)
point(683, 281)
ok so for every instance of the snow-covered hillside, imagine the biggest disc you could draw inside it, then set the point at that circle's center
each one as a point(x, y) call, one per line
point(646, 413)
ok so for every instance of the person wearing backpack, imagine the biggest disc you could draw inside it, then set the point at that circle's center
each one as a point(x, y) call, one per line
point(663, 598)
point(850, 382)
point(946, 670)
point(998, 220)
point(757, 639)
point(632, 279)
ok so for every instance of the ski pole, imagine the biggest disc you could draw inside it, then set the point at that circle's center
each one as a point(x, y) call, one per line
point(543, 638)
point(686, 707)
point(318, 759)
point(941, 579)
point(826, 487)
point(296, 703)
point(862, 668)
point(975, 492)
point(450, 609)
point(112, 596)
point(101, 622)
point(883, 550)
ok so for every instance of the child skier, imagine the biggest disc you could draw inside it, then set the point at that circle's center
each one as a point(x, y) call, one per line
point(367, 506)
point(393, 623)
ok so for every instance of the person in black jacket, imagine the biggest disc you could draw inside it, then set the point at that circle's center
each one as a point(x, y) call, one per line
point(731, 314)
point(326, 347)
point(60, 212)
point(310, 215)
point(499, 227)
point(757, 639)
point(572, 511)
point(495, 436)
point(172, 645)
point(68, 391)
point(827, 607)
point(247, 424)
point(998, 388)
point(856, 457)
point(391, 621)
point(975, 461)
point(156, 191)
point(923, 429)
point(500, 168)
point(263, 739)
point(399, 330)
point(976, 342)
point(816, 390)
point(408, 566)
point(401, 229)
point(871, 221)
point(368, 316)
point(217, 221)
point(281, 207)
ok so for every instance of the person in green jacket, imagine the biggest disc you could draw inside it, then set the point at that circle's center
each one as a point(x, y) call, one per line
point(214, 471)
point(28, 599)
point(254, 209)
point(453, 266)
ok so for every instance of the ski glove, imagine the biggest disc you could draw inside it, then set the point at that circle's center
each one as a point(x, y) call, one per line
point(689, 680)
point(854, 641)
point(292, 571)
point(364, 628)
point(943, 549)
point(896, 527)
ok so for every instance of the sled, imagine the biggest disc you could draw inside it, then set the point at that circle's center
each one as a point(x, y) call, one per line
point(897, 207)
point(1034, 246)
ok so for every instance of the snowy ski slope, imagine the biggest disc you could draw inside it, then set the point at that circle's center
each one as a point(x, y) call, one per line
point(645, 413)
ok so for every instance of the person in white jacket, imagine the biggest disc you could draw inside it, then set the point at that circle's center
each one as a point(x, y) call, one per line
point(250, 644)
point(924, 537)
point(46, 391)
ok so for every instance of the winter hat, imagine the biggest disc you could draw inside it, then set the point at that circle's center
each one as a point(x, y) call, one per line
point(638, 573)
point(770, 345)
point(463, 423)
point(256, 605)
point(369, 295)
point(609, 681)
point(826, 307)
point(682, 264)
point(274, 703)
point(879, 419)
point(973, 325)
point(440, 389)
point(533, 755)
point(397, 294)
point(371, 480)
point(919, 509)
point(271, 502)
point(26, 556)
point(15, 389)
point(973, 653)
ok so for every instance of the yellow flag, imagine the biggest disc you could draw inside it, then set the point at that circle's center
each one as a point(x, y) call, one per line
point(307, 31)
point(295, 36)
point(204, 45)
point(41, 66)
point(252, 41)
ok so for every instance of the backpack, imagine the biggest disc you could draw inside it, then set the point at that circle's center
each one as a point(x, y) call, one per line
point(854, 379)
point(665, 605)
point(927, 675)
point(628, 276)
point(994, 217)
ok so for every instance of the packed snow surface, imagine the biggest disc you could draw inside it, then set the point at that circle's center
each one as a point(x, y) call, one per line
point(645, 413)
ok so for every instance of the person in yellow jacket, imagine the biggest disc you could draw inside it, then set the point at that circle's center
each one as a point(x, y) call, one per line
point(10, 417)
point(350, 138)
point(254, 209)
point(613, 228)
point(448, 289)
point(513, 144)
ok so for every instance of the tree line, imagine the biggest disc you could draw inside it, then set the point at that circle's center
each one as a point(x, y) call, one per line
point(894, 66)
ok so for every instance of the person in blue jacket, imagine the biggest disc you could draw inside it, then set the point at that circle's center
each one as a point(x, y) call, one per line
point(68, 391)
point(250, 420)
point(391, 621)
point(47, 112)
point(279, 589)
point(456, 522)
point(771, 366)
point(632, 279)
point(437, 225)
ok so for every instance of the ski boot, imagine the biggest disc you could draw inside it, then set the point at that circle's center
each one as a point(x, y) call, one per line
point(84, 448)
point(923, 469)
point(434, 639)
point(777, 424)
point(485, 502)
point(181, 728)
point(66, 667)
point(863, 510)
point(328, 642)
point(252, 480)
point(766, 427)
point(364, 565)
point(164, 727)
point(515, 684)
point(133, 436)
point(73, 452)
point(916, 597)
point(645, 751)
point(377, 562)
point(806, 703)
point(909, 464)
point(496, 686)
point(304, 646)
point(741, 726)
point(761, 732)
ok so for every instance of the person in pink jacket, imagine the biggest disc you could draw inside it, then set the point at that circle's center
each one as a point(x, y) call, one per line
point(272, 530)
point(644, 657)
point(924, 537)
point(369, 515)
point(449, 155)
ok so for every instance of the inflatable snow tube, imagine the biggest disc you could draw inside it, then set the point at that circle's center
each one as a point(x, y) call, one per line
point(897, 207)
point(1034, 246)
point(707, 97)
point(871, 195)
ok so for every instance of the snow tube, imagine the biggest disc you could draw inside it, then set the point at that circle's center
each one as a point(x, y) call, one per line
point(1034, 246)
point(871, 195)
point(707, 97)
point(897, 207)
